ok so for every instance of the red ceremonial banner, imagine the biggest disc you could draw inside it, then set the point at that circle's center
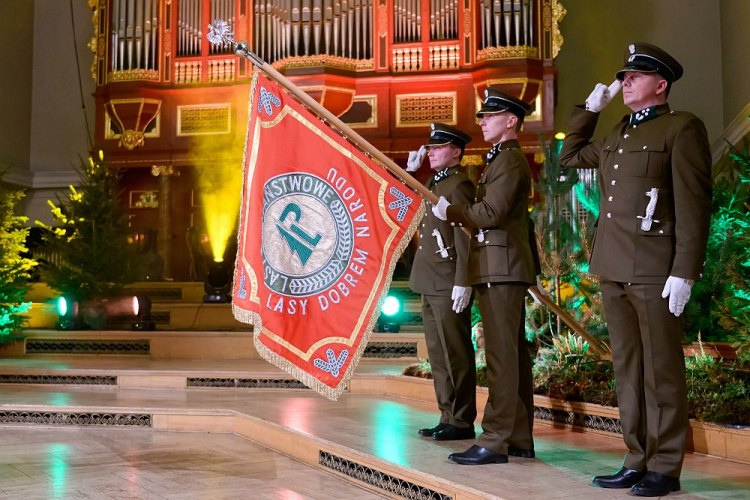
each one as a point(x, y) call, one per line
point(321, 229)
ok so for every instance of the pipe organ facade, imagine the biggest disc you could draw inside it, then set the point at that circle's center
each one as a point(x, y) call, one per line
point(386, 67)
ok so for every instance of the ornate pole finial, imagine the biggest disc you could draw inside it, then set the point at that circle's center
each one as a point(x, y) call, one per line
point(219, 34)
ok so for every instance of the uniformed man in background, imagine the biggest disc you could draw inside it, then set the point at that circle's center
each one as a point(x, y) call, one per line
point(501, 269)
point(439, 274)
point(655, 208)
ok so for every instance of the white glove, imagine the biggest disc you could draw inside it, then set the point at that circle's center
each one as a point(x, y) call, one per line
point(440, 208)
point(415, 159)
point(678, 291)
point(601, 96)
point(460, 296)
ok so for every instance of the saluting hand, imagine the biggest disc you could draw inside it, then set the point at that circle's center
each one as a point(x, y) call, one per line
point(678, 291)
point(415, 159)
point(440, 209)
point(601, 96)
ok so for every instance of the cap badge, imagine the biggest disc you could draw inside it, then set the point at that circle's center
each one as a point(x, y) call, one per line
point(631, 48)
point(631, 58)
point(486, 93)
point(432, 126)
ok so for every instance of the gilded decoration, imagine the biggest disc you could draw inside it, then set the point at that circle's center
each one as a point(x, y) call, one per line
point(417, 110)
point(144, 199)
point(203, 120)
point(472, 160)
point(539, 157)
point(467, 23)
point(510, 52)
point(127, 75)
point(93, 45)
point(558, 13)
point(382, 20)
point(130, 139)
point(324, 60)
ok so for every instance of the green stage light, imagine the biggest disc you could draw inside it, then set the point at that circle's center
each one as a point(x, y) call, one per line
point(62, 306)
point(70, 315)
point(391, 306)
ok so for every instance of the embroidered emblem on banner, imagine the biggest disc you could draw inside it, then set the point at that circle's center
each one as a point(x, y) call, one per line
point(333, 365)
point(266, 99)
point(307, 235)
point(402, 203)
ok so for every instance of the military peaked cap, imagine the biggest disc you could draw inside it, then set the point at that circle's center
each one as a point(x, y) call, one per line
point(650, 59)
point(442, 134)
point(497, 101)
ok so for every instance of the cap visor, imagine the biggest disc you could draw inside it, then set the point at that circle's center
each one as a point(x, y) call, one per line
point(620, 75)
point(437, 142)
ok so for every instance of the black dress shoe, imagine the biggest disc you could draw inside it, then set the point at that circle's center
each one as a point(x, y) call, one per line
point(476, 455)
point(429, 431)
point(520, 452)
point(453, 433)
point(623, 478)
point(655, 484)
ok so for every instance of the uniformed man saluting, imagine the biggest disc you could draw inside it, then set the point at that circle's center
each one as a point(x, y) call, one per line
point(655, 177)
point(439, 274)
point(501, 268)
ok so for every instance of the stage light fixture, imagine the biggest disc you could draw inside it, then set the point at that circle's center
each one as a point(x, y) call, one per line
point(389, 320)
point(218, 283)
point(142, 312)
point(70, 315)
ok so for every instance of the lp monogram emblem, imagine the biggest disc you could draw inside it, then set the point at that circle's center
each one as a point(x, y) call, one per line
point(299, 242)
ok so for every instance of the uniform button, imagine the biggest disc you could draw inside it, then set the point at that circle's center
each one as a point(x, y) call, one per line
point(626, 136)
point(610, 198)
point(661, 231)
point(634, 126)
point(421, 235)
point(607, 147)
point(453, 223)
point(619, 150)
point(614, 182)
point(616, 167)
point(609, 216)
point(460, 224)
point(645, 147)
point(420, 247)
point(701, 274)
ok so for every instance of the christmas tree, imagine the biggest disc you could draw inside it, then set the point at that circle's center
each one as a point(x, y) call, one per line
point(15, 268)
point(90, 238)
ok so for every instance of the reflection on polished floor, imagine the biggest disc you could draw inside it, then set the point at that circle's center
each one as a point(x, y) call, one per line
point(107, 464)
point(374, 428)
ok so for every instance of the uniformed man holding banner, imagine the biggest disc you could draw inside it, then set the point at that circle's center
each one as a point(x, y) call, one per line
point(502, 266)
point(439, 274)
point(650, 244)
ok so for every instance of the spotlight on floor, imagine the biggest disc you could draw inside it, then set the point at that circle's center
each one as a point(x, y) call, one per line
point(218, 283)
point(389, 320)
point(70, 315)
point(142, 312)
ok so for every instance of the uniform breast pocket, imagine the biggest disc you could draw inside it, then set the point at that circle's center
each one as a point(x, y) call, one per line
point(646, 158)
point(492, 253)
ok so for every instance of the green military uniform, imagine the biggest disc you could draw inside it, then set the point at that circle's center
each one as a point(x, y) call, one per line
point(434, 274)
point(501, 268)
point(652, 156)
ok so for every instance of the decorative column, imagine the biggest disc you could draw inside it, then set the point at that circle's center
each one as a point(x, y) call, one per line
point(164, 235)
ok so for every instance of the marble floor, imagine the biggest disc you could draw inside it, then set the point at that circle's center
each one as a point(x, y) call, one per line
point(379, 426)
point(40, 464)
